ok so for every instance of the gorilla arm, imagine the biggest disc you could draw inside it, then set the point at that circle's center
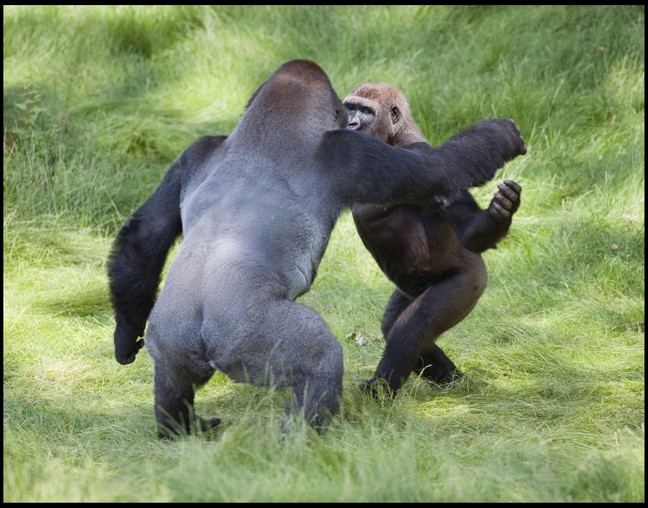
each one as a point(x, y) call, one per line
point(479, 230)
point(466, 160)
point(140, 249)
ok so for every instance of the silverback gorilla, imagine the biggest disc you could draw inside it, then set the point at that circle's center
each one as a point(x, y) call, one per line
point(431, 253)
point(256, 210)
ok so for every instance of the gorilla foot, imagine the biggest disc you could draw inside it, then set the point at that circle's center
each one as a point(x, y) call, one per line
point(201, 425)
point(443, 378)
point(210, 423)
point(378, 388)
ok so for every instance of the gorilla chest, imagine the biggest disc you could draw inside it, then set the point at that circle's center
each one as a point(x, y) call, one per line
point(405, 238)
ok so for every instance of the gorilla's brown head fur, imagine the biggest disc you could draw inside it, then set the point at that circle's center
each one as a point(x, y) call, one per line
point(383, 113)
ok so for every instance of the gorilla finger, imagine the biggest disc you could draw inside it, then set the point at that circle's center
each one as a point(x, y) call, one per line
point(514, 185)
point(506, 192)
point(139, 345)
point(495, 208)
point(503, 201)
point(497, 212)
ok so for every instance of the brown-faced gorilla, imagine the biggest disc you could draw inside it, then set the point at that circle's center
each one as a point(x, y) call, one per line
point(431, 253)
point(256, 210)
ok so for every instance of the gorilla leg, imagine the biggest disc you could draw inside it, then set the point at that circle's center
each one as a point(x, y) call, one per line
point(398, 302)
point(434, 363)
point(175, 385)
point(284, 344)
point(410, 340)
point(312, 360)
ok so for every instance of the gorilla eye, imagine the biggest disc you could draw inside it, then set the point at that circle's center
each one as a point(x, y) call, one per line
point(366, 110)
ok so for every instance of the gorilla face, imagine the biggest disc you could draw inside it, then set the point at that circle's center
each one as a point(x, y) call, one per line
point(375, 108)
point(361, 115)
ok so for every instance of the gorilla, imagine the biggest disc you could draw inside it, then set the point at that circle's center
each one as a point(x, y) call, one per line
point(256, 210)
point(431, 253)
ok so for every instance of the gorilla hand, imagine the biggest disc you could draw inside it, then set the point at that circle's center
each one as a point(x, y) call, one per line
point(126, 345)
point(506, 201)
point(505, 137)
point(478, 152)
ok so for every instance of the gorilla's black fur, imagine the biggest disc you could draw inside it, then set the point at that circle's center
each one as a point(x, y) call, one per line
point(256, 210)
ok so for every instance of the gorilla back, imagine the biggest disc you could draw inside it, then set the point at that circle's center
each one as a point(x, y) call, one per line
point(256, 210)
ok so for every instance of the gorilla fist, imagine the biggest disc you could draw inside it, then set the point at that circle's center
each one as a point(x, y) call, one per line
point(505, 136)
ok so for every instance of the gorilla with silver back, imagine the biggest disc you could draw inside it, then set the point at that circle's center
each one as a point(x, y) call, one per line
point(431, 252)
point(256, 210)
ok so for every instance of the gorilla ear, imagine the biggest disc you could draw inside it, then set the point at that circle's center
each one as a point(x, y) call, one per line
point(395, 114)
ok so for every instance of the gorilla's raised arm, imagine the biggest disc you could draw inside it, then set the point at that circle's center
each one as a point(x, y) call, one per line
point(140, 249)
point(466, 160)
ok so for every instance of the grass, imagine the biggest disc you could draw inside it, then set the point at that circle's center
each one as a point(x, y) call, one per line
point(98, 100)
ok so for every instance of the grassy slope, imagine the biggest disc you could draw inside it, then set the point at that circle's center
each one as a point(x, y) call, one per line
point(99, 100)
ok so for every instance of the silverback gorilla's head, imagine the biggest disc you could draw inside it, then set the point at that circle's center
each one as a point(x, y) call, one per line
point(295, 87)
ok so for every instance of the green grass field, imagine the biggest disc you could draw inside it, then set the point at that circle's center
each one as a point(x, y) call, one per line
point(99, 100)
